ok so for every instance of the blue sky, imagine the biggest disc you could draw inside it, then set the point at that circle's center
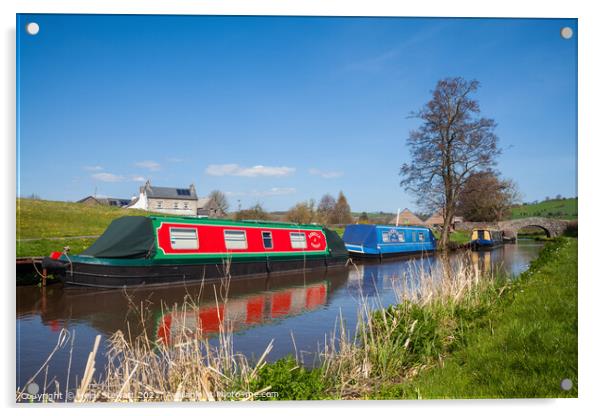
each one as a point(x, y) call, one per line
point(278, 110)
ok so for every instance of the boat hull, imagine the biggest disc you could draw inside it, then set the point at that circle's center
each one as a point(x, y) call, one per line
point(116, 276)
point(485, 245)
point(390, 255)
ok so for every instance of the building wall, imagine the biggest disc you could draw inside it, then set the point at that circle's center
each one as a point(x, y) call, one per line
point(173, 206)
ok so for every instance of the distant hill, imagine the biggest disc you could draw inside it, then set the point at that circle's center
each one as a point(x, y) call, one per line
point(565, 209)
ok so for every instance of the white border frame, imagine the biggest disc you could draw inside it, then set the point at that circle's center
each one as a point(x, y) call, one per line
point(590, 148)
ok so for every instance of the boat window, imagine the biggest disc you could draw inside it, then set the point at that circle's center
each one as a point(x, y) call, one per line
point(298, 240)
point(402, 236)
point(385, 237)
point(420, 236)
point(235, 239)
point(267, 239)
point(184, 238)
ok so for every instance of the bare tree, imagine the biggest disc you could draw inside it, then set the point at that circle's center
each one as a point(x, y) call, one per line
point(342, 212)
point(486, 197)
point(220, 200)
point(326, 208)
point(452, 142)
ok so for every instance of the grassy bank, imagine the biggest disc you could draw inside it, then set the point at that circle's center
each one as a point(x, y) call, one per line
point(478, 337)
point(45, 226)
point(524, 346)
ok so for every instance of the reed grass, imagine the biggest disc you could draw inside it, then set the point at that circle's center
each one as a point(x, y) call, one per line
point(395, 343)
point(186, 367)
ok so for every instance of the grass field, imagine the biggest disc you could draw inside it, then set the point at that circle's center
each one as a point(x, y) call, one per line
point(50, 225)
point(524, 346)
point(565, 209)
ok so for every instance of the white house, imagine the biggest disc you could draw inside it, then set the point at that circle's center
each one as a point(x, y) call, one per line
point(178, 201)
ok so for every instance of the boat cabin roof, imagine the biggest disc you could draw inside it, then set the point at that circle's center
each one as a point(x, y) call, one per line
point(229, 222)
point(366, 233)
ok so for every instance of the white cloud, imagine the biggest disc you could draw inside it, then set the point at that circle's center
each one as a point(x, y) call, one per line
point(108, 177)
point(266, 192)
point(149, 164)
point(137, 178)
point(93, 168)
point(325, 174)
point(232, 169)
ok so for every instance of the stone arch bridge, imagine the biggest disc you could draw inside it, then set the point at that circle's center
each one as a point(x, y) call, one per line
point(551, 226)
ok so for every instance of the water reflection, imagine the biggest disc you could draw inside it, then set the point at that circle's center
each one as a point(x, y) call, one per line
point(259, 309)
point(241, 312)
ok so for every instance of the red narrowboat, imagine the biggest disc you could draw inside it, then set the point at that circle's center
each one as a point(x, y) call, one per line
point(164, 250)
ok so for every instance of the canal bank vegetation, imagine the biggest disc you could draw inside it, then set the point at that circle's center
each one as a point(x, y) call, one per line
point(525, 346)
point(468, 336)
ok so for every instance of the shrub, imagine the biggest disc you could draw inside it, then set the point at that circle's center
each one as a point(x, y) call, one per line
point(290, 380)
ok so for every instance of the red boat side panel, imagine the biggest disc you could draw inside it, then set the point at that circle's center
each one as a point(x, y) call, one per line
point(211, 239)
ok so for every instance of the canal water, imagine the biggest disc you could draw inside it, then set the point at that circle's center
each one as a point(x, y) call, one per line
point(297, 311)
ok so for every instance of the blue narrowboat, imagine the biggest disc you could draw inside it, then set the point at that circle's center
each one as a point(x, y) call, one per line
point(378, 241)
point(486, 239)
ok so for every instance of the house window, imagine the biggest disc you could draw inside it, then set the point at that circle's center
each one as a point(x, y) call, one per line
point(298, 240)
point(159, 204)
point(235, 239)
point(185, 205)
point(267, 239)
point(175, 205)
point(184, 238)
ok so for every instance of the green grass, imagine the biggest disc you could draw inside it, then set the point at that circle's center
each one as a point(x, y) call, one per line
point(455, 238)
point(339, 230)
point(565, 209)
point(291, 381)
point(522, 347)
point(41, 220)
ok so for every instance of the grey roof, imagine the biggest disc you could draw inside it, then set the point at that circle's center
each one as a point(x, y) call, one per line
point(170, 193)
point(108, 201)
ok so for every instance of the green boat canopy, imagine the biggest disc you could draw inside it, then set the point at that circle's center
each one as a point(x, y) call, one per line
point(126, 237)
point(335, 243)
